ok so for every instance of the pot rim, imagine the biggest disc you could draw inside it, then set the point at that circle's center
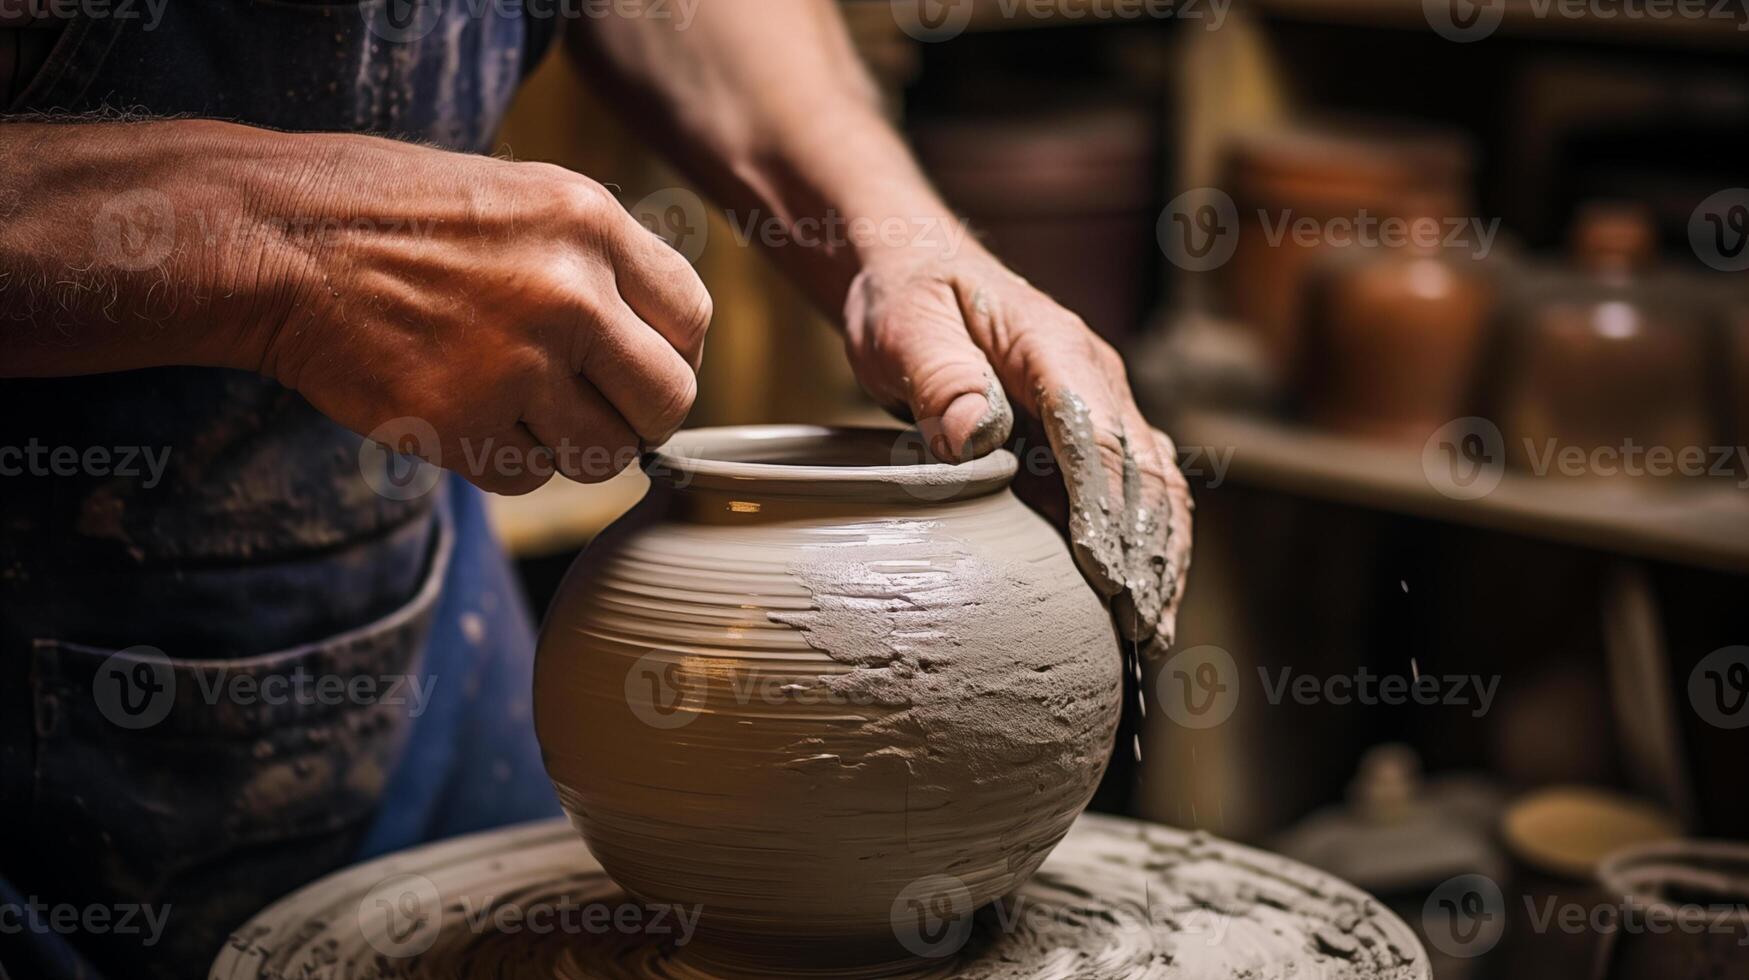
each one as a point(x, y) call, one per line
point(726, 458)
point(1635, 872)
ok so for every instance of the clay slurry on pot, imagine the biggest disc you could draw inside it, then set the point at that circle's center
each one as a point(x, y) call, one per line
point(880, 686)
point(1118, 544)
point(982, 665)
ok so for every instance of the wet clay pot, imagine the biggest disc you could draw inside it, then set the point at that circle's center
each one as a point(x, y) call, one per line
point(799, 680)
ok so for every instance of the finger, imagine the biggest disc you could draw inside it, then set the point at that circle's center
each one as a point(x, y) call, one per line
point(1089, 450)
point(664, 290)
point(913, 352)
point(1145, 533)
point(589, 440)
point(1114, 475)
point(512, 467)
point(1179, 541)
point(641, 375)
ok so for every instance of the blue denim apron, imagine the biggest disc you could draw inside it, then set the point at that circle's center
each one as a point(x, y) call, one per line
point(259, 553)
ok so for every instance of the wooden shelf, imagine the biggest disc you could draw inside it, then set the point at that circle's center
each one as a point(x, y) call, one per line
point(1705, 527)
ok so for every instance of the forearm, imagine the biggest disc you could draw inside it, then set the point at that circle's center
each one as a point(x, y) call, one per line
point(775, 117)
point(131, 245)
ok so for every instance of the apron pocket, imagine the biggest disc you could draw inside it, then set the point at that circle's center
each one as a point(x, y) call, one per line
point(214, 786)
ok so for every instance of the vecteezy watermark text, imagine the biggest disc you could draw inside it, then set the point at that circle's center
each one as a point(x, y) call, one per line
point(1199, 230)
point(136, 688)
point(38, 917)
point(402, 916)
point(408, 21)
point(1466, 916)
point(1200, 687)
point(943, 20)
point(834, 231)
point(128, 462)
point(19, 13)
point(1465, 21)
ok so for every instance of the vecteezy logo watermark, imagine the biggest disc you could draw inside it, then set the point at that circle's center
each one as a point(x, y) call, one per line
point(1465, 458)
point(400, 458)
point(402, 916)
point(1472, 20)
point(943, 20)
point(1199, 229)
point(656, 694)
point(1464, 21)
point(134, 688)
point(663, 695)
point(1718, 230)
point(932, 916)
point(1465, 916)
point(127, 462)
point(1198, 687)
point(933, 20)
point(923, 446)
point(678, 217)
point(1718, 688)
point(135, 230)
point(39, 918)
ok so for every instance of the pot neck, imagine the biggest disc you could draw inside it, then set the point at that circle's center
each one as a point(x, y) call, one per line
point(828, 466)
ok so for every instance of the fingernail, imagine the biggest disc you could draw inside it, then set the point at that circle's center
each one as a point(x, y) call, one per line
point(985, 418)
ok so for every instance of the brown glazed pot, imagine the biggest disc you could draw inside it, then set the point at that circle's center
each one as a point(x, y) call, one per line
point(1394, 336)
point(803, 677)
point(1332, 171)
point(1690, 911)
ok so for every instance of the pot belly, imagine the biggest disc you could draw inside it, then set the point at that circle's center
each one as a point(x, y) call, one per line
point(793, 723)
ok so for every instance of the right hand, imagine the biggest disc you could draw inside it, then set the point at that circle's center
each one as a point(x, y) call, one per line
point(507, 304)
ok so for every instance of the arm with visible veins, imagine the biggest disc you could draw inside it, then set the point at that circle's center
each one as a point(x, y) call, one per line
point(504, 304)
point(774, 115)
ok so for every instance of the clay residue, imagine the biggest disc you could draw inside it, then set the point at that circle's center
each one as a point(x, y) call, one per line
point(994, 427)
point(991, 682)
point(1121, 545)
point(1119, 900)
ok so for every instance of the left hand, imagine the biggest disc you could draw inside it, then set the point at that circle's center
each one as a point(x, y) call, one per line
point(949, 341)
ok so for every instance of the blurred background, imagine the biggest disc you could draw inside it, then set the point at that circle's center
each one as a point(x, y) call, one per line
point(1446, 308)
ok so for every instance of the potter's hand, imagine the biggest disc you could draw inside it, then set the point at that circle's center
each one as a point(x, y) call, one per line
point(515, 307)
point(942, 340)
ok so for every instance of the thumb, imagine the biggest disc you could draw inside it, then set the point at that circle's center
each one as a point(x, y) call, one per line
point(912, 353)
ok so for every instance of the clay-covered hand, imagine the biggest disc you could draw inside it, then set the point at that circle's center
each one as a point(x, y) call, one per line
point(517, 308)
point(950, 342)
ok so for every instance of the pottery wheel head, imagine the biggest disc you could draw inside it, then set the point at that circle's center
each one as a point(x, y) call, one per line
point(1118, 899)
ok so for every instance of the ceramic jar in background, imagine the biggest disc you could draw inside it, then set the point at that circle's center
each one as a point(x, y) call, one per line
point(1556, 838)
point(817, 693)
point(1341, 172)
point(1608, 350)
point(1065, 194)
point(1697, 895)
point(1394, 335)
